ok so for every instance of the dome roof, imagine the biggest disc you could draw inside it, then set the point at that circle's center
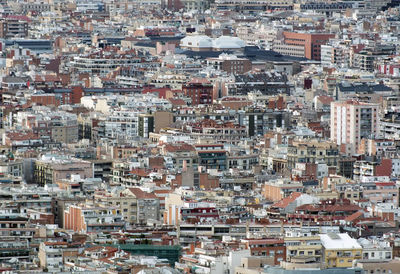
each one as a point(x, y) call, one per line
point(198, 41)
point(228, 42)
point(203, 41)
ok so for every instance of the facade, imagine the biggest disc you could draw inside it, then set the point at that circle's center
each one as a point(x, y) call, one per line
point(122, 124)
point(14, 249)
point(101, 65)
point(183, 155)
point(277, 190)
point(49, 170)
point(332, 55)
point(225, 133)
point(52, 254)
point(148, 205)
point(145, 125)
point(58, 126)
point(351, 121)
point(13, 29)
point(312, 152)
point(306, 45)
point(200, 93)
point(375, 250)
point(303, 249)
point(212, 156)
point(267, 247)
point(127, 204)
point(93, 218)
point(200, 136)
point(340, 250)
point(230, 64)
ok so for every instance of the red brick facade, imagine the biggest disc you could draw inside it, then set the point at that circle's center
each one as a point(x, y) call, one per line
point(311, 41)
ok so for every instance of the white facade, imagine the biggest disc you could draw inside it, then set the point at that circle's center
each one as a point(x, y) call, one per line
point(51, 257)
point(351, 121)
point(375, 249)
point(122, 124)
point(396, 167)
point(326, 56)
point(204, 42)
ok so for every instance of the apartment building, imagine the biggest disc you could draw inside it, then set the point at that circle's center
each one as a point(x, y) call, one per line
point(122, 124)
point(276, 190)
point(13, 226)
point(49, 169)
point(267, 247)
point(59, 126)
point(158, 31)
point(13, 28)
point(340, 250)
point(183, 155)
point(93, 218)
point(223, 132)
point(10, 249)
point(390, 125)
point(99, 64)
point(351, 121)
point(27, 199)
point(11, 167)
point(312, 151)
point(126, 204)
point(52, 254)
point(257, 120)
point(323, 7)
point(212, 156)
point(363, 91)
point(375, 249)
point(199, 91)
point(372, 167)
point(300, 44)
point(147, 205)
point(303, 249)
point(332, 55)
point(230, 64)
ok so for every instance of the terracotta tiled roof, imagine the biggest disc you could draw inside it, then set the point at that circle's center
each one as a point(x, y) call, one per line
point(177, 102)
point(140, 172)
point(141, 194)
point(354, 216)
point(47, 78)
point(179, 147)
point(20, 136)
point(326, 100)
point(329, 208)
point(288, 200)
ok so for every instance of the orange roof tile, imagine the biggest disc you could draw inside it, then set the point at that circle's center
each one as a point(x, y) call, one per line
point(354, 216)
point(141, 194)
point(288, 200)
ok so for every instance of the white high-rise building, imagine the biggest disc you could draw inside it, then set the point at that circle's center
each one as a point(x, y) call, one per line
point(351, 121)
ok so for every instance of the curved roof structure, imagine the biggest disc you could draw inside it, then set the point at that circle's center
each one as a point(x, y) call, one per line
point(203, 41)
point(228, 42)
point(197, 41)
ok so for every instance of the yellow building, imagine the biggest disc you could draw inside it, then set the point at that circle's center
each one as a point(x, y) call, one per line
point(340, 250)
point(312, 151)
point(303, 250)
